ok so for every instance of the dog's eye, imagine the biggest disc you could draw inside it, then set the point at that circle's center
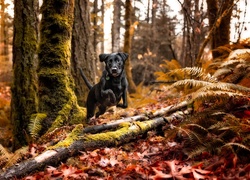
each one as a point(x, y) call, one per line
point(110, 64)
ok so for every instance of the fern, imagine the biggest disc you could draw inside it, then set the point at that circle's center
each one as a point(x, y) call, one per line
point(190, 83)
point(238, 145)
point(222, 72)
point(198, 126)
point(213, 125)
point(215, 95)
point(170, 65)
point(232, 63)
point(185, 73)
point(35, 125)
point(229, 87)
point(196, 151)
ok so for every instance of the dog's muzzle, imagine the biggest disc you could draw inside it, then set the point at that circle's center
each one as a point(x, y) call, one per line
point(114, 72)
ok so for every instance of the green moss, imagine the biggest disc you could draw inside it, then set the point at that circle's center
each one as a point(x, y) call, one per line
point(79, 115)
point(56, 95)
point(62, 116)
point(73, 136)
point(108, 137)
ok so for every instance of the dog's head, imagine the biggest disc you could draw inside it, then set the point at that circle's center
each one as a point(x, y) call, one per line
point(114, 62)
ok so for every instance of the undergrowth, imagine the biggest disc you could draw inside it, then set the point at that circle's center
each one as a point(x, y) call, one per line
point(220, 122)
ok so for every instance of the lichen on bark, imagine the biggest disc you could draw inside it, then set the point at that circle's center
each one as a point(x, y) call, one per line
point(56, 96)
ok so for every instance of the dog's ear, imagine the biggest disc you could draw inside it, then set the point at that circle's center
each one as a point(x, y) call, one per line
point(102, 57)
point(124, 56)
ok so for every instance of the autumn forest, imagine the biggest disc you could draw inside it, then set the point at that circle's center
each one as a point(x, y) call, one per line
point(124, 89)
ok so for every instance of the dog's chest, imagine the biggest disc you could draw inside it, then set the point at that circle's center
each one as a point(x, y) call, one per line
point(115, 85)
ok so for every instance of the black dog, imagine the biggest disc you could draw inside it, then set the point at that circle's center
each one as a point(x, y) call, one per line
point(111, 87)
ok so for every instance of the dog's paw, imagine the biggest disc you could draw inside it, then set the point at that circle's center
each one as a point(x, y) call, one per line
point(111, 96)
point(122, 106)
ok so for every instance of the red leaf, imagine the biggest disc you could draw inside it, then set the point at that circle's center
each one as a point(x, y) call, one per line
point(159, 175)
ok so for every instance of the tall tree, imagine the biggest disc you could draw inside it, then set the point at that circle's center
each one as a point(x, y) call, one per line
point(129, 32)
point(82, 51)
point(116, 26)
point(57, 100)
point(24, 89)
point(221, 35)
point(102, 27)
point(95, 26)
point(187, 45)
point(153, 23)
point(3, 29)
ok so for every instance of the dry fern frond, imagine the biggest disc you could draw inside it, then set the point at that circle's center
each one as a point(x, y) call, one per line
point(193, 137)
point(191, 84)
point(198, 126)
point(196, 151)
point(170, 65)
point(217, 126)
point(35, 124)
point(232, 63)
point(215, 95)
point(228, 87)
point(222, 72)
point(4, 156)
point(238, 145)
point(16, 156)
point(191, 73)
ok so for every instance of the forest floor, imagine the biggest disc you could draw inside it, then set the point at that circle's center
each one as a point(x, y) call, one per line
point(151, 156)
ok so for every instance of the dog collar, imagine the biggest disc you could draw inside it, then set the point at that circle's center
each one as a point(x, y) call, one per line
point(107, 78)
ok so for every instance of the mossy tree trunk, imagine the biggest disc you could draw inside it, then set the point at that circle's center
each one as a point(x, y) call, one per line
point(24, 88)
point(221, 36)
point(129, 32)
point(56, 95)
point(82, 50)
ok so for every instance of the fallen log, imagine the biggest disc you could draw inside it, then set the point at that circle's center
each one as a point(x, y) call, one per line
point(141, 117)
point(53, 156)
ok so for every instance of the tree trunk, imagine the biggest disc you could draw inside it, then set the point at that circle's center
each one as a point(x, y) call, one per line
point(129, 32)
point(221, 36)
point(57, 99)
point(211, 32)
point(102, 29)
point(95, 26)
point(188, 45)
point(82, 51)
point(116, 26)
point(24, 88)
point(3, 31)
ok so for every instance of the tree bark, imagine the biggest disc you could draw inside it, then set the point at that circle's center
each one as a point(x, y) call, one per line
point(129, 32)
point(211, 34)
point(24, 89)
point(57, 99)
point(82, 51)
point(116, 26)
point(221, 35)
point(3, 31)
point(95, 26)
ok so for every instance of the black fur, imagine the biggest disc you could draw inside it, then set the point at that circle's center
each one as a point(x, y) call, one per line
point(112, 86)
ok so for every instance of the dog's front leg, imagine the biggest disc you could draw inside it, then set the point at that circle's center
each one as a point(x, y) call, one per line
point(107, 93)
point(124, 100)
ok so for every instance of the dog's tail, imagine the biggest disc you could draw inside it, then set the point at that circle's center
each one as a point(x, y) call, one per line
point(85, 79)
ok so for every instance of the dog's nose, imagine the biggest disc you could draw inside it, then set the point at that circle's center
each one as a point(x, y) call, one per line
point(114, 70)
